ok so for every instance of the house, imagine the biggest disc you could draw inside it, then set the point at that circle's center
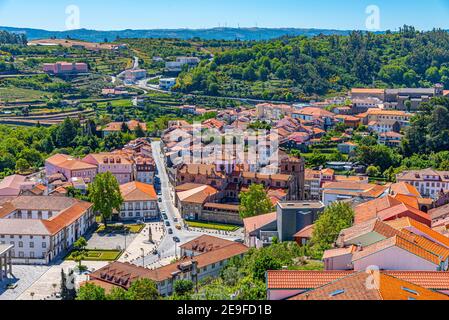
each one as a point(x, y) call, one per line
point(419, 229)
point(347, 147)
point(139, 201)
point(339, 258)
point(303, 237)
point(383, 126)
point(65, 68)
point(390, 138)
point(349, 121)
point(70, 167)
point(203, 244)
point(311, 113)
point(115, 127)
point(145, 169)
point(167, 83)
point(284, 284)
point(314, 180)
point(133, 75)
point(11, 185)
point(382, 286)
point(191, 197)
point(176, 66)
point(429, 182)
point(398, 253)
point(293, 216)
point(194, 265)
point(388, 208)
point(41, 228)
point(269, 111)
point(340, 191)
point(260, 230)
point(117, 164)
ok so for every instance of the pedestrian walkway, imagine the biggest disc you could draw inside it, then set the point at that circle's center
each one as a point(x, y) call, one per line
point(142, 242)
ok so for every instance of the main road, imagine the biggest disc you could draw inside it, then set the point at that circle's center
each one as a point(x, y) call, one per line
point(168, 247)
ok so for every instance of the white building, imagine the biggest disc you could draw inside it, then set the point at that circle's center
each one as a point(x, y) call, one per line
point(428, 182)
point(140, 201)
point(167, 83)
point(42, 228)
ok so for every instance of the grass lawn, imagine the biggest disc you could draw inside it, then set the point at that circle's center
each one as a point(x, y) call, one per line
point(213, 226)
point(96, 255)
point(132, 228)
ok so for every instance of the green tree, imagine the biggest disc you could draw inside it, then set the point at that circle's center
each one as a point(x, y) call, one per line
point(91, 292)
point(373, 171)
point(336, 217)
point(183, 288)
point(254, 202)
point(105, 194)
point(143, 289)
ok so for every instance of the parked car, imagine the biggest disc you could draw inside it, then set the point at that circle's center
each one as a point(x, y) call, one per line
point(176, 239)
point(167, 223)
point(175, 219)
point(170, 231)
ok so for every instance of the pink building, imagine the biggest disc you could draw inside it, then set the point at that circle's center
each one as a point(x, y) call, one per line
point(70, 167)
point(65, 68)
point(117, 164)
point(398, 253)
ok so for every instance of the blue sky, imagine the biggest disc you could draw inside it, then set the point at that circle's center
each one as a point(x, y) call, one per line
point(156, 14)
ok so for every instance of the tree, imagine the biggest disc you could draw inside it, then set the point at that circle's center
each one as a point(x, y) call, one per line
point(373, 171)
point(139, 132)
point(183, 288)
point(143, 289)
point(254, 202)
point(67, 290)
point(264, 263)
point(336, 217)
point(80, 245)
point(91, 292)
point(22, 166)
point(105, 194)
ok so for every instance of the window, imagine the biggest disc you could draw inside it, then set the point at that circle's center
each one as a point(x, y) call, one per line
point(21, 254)
point(31, 254)
point(44, 245)
point(20, 244)
point(410, 291)
point(337, 293)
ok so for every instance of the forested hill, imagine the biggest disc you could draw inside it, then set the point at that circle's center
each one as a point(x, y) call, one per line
point(243, 34)
point(293, 68)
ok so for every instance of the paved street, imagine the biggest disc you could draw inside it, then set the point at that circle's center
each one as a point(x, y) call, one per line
point(167, 247)
point(49, 282)
point(26, 276)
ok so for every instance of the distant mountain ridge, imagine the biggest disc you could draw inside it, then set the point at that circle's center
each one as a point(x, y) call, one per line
point(185, 34)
